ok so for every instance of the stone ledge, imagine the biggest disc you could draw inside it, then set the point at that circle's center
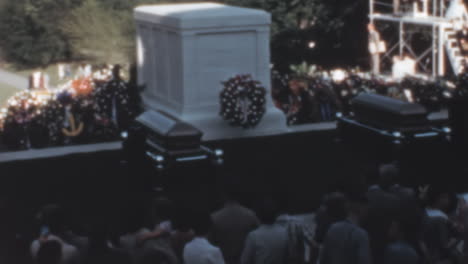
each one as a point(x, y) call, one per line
point(58, 151)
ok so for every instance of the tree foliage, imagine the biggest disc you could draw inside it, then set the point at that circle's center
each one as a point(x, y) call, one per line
point(30, 32)
point(44, 31)
point(99, 34)
point(337, 27)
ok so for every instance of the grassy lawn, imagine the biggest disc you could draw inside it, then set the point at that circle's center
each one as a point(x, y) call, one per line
point(6, 91)
point(51, 70)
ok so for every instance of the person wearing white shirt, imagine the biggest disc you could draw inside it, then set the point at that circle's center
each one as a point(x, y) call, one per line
point(376, 47)
point(269, 242)
point(439, 230)
point(69, 253)
point(455, 12)
point(200, 250)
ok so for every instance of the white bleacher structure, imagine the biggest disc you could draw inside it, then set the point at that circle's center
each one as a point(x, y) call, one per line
point(446, 20)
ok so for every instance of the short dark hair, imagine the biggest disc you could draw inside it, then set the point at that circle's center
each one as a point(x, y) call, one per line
point(50, 252)
point(267, 210)
point(336, 204)
point(181, 219)
point(356, 201)
point(202, 223)
point(388, 175)
point(53, 216)
point(434, 194)
point(163, 208)
point(116, 71)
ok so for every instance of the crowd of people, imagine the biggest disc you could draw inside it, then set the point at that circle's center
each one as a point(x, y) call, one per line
point(92, 105)
point(317, 98)
point(382, 223)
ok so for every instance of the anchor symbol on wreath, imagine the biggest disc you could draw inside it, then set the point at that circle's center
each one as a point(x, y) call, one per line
point(73, 131)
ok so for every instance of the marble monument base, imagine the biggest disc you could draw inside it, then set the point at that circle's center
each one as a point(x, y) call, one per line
point(214, 127)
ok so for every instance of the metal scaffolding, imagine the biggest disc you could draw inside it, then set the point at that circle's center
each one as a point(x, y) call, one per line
point(432, 17)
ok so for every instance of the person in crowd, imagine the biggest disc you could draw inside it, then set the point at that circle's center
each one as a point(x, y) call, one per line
point(400, 250)
point(50, 252)
point(300, 106)
point(301, 248)
point(182, 233)
point(388, 181)
point(67, 71)
point(53, 228)
point(269, 242)
point(461, 219)
point(39, 80)
point(163, 210)
point(159, 238)
point(327, 101)
point(54, 217)
point(101, 248)
point(346, 91)
point(440, 231)
point(68, 253)
point(374, 48)
point(346, 241)
point(134, 222)
point(200, 250)
point(231, 225)
point(333, 210)
point(396, 7)
point(61, 71)
point(394, 199)
point(279, 90)
point(384, 198)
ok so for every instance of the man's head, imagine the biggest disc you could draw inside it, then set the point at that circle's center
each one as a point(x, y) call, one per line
point(371, 27)
point(267, 211)
point(402, 224)
point(358, 207)
point(163, 209)
point(388, 174)
point(439, 199)
point(116, 71)
point(295, 87)
point(202, 224)
point(336, 205)
point(54, 217)
point(50, 252)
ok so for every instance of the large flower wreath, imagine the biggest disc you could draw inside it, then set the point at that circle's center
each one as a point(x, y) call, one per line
point(242, 101)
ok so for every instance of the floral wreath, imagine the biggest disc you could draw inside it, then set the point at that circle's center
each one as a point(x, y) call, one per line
point(242, 101)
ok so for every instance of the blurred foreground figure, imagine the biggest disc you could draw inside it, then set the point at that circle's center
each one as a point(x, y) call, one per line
point(346, 242)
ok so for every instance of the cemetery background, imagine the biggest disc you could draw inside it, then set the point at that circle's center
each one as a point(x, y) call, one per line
point(44, 33)
point(302, 166)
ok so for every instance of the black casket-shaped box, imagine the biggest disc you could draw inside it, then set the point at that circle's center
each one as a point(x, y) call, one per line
point(167, 141)
point(168, 132)
point(388, 113)
point(389, 129)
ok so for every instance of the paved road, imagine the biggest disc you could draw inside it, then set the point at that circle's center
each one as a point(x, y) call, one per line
point(14, 80)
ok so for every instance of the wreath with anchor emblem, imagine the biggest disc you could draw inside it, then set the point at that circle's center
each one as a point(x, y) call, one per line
point(73, 131)
point(242, 101)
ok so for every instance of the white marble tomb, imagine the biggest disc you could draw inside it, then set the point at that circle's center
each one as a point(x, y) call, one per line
point(184, 53)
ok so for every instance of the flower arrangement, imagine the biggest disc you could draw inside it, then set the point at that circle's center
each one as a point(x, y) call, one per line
point(242, 101)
